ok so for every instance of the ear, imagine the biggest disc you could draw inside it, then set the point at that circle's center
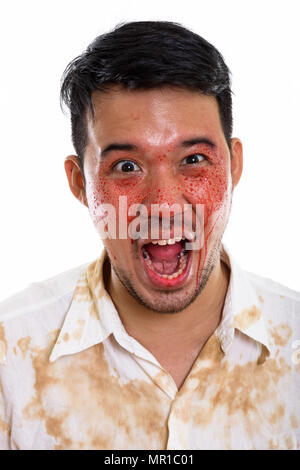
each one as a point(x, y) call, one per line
point(75, 178)
point(236, 161)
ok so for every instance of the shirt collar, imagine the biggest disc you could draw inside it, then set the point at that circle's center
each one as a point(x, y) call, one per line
point(92, 316)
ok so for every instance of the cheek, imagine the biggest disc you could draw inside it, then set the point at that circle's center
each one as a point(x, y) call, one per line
point(104, 190)
point(211, 188)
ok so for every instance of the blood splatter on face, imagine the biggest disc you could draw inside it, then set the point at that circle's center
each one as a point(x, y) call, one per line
point(159, 146)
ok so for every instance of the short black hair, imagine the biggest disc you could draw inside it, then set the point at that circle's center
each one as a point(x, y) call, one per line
point(144, 55)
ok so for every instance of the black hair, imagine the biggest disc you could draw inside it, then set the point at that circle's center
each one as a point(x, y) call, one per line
point(145, 55)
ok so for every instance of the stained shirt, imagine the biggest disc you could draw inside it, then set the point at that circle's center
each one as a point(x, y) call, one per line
point(71, 377)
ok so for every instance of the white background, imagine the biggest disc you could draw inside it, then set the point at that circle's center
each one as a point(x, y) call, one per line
point(44, 230)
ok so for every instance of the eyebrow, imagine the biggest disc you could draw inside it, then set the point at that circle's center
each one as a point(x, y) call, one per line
point(198, 140)
point(117, 146)
point(125, 147)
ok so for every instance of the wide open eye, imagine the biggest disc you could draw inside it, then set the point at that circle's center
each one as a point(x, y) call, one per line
point(126, 166)
point(192, 159)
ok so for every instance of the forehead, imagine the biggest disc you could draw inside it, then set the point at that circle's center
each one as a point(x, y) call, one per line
point(156, 116)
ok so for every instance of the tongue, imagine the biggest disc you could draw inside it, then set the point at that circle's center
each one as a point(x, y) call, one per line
point(164, 257)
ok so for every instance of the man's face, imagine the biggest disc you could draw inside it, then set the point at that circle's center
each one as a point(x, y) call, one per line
point(161, 164)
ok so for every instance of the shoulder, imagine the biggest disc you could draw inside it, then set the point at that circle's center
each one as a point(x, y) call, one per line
point(274, 293)
point(273, 309)
point(281, 309)
point(275, 300)
point(39, 308)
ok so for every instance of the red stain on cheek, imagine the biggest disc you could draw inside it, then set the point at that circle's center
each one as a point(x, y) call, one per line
point(208, 186)
point(107, 190)
point(209, 189)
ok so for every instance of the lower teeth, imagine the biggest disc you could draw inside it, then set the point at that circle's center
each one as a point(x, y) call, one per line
point(182, 266)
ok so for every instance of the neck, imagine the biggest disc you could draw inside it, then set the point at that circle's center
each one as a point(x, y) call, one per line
point(188, 329)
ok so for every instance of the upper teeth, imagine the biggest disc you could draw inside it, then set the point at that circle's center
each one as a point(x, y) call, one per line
point(170, 241)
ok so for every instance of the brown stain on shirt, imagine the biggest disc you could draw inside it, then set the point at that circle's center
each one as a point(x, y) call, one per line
point(240, 392)
point(97, 276)
point(78, 332)
point(277, 414)
point(247, 317)
point(91, 286)
point(281, 334)
point(66, 337)
point(88, 286)
point(274, 444)
point(109, 414)
point(3, 345)
point(293, 421)
point(93, 311)
point(23, 344)
point(35, 408)
point(81, 293)
point(4, 427)
point(289, 443)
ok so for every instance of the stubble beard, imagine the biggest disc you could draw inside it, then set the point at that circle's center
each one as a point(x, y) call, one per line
point(172, 301)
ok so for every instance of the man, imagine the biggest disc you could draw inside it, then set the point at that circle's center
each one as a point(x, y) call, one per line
point(163, 342)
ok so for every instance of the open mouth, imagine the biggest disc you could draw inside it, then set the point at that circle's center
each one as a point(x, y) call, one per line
point(166, 262)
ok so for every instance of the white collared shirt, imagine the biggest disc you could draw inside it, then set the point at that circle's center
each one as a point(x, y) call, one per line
point(71, 377)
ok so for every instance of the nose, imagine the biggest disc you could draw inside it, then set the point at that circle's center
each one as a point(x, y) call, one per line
point(165, 202)
point(163, 187)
